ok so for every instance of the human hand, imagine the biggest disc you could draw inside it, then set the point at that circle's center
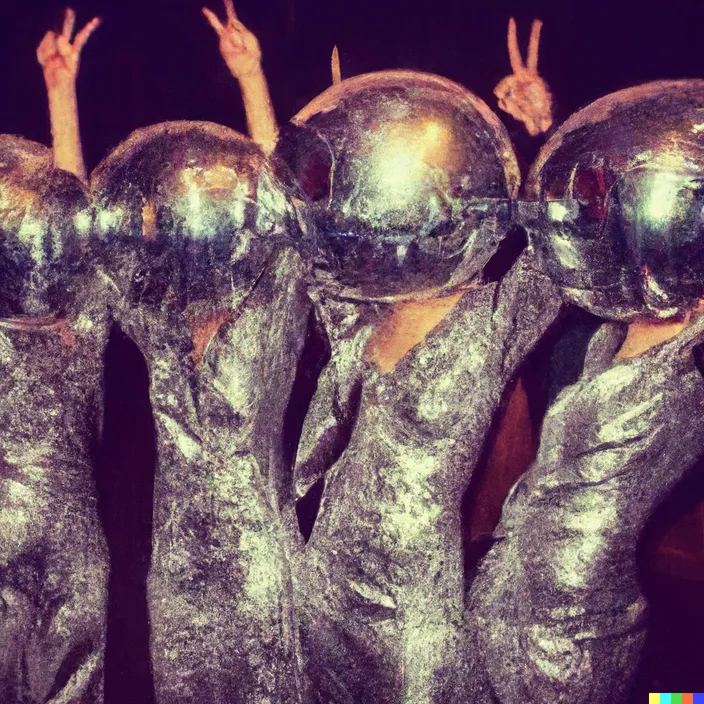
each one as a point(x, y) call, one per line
point(238, 46)
point(58, 57)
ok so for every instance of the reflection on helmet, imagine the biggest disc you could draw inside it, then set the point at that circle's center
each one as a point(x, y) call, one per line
point(45, 221)
point(409, 177)
point(189, 212)
point(617, 196)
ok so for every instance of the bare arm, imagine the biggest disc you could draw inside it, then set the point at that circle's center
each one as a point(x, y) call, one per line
point(242, 54)
point(60, 59)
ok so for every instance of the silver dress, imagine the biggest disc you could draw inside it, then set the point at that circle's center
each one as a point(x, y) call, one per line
point(53, 331)
point(557, 611)
point(380, 584)
point(209, 256)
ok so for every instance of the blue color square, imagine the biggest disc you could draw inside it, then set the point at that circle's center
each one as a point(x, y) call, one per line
point(699, 698)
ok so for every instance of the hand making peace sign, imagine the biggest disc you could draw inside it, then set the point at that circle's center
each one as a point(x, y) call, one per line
point(59, 58)
point(238, 46)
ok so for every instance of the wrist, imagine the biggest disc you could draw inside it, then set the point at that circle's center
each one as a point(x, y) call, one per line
point(61, 88)
point(252, 75)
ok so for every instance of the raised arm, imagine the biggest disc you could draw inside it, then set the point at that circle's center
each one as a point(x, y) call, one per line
point(243, 56)
point(60, 59)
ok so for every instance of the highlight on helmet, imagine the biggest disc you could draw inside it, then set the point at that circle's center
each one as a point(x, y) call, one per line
point(45, 227)
point(189, 212)
point(409, 178)
point(614, 202)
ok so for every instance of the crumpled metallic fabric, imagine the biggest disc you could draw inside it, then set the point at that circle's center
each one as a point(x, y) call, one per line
point(220, 598)
point(556, 609)
point(53, 557)
point(380, 583)
point(223, 624)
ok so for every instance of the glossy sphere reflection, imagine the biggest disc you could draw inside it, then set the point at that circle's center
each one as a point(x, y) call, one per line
point(45, 224)
point(189, 212)
point(622, 191)
point(408, 175)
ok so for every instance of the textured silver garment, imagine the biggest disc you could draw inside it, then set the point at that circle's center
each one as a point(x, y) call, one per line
point(556, 609)
point(53, 331)
point(53, 558)
point(220, 596)
point(380, 584)
point(199, 245)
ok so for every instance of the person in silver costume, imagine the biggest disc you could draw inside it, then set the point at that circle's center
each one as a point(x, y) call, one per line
point(410, 178)
point(53, 329)
point(615, 216)
point(199, 242)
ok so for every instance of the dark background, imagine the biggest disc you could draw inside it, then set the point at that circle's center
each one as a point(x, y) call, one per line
point(156, 60)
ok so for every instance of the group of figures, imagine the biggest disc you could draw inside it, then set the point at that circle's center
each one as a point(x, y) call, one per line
point(378, 225)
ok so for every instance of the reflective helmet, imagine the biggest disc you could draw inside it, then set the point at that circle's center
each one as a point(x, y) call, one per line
point(45, 225)
point(616, 198)
point(409, 178)
point(189, 212)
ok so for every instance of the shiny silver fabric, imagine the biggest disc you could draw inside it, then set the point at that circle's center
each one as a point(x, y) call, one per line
point(380, 584)
point(409, 176)
point(44, 229)
point(557, 610)
point(53, 557)
point(618, 197)
point(198, 240)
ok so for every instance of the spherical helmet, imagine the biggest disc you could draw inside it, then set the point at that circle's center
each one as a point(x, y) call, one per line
point(189, 213)
point(45, 225)
point(408, 176)
point(617, 196)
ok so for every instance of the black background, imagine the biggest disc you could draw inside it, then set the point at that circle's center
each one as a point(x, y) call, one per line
point(156, 60)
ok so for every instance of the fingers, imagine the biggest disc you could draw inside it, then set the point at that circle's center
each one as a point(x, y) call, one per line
point(215, 23)
point(47, 47)
point(336, 70)
point(532, 61)
point(63, 46)
point(233, 22)
point(230, 10)
point(514, 53)
point(69, 23)
point(235, 37)
point(84, 35)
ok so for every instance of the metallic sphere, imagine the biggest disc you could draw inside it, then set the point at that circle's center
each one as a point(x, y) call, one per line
point(409, 176)
point(189, 212)
point(45, 226)
point(617, 196)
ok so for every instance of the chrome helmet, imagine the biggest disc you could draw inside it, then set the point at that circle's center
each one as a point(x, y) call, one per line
point(615, 202)
point(409, 178)
point(45, 229)
point(189, 212)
